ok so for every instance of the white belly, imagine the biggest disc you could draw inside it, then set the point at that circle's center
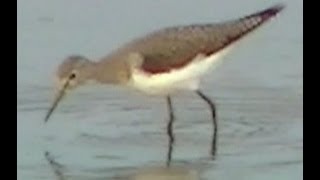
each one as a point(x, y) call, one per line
point(184, 78)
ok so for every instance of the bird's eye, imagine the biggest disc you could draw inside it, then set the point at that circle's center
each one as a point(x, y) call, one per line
point(72, 76)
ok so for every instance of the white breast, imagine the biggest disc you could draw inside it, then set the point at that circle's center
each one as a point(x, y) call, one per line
point(184, 78)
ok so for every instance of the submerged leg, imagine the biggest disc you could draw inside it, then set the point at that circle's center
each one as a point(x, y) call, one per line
point(214, 122)
point(169, 130)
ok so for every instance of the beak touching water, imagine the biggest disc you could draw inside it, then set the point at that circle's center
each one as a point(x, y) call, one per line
point(60, 94)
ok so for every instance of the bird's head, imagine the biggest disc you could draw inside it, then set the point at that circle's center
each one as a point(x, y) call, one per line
point(71, 73)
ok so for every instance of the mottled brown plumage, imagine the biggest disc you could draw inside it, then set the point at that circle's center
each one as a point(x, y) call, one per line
point(175, 47)
point(163, 62)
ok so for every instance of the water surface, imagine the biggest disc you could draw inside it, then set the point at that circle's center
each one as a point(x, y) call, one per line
point(105, 132)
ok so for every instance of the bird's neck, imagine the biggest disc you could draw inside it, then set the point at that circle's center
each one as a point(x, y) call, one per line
point(109, 72)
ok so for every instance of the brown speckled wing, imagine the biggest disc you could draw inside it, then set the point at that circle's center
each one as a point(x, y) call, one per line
point(176, 46)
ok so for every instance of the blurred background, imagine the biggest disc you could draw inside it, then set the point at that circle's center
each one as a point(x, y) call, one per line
point(106, 132)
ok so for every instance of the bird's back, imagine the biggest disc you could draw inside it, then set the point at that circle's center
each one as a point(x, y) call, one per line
point(175, 47)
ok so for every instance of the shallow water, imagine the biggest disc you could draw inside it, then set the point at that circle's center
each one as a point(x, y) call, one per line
point(112, 133)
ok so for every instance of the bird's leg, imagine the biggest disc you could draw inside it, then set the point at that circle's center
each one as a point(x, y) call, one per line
point(169, 130)
point(214, 122)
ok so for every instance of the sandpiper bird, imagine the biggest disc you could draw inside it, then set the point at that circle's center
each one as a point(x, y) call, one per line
point(163, 62)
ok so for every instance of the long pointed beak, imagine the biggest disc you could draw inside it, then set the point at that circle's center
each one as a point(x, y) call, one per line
point(56, 101)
